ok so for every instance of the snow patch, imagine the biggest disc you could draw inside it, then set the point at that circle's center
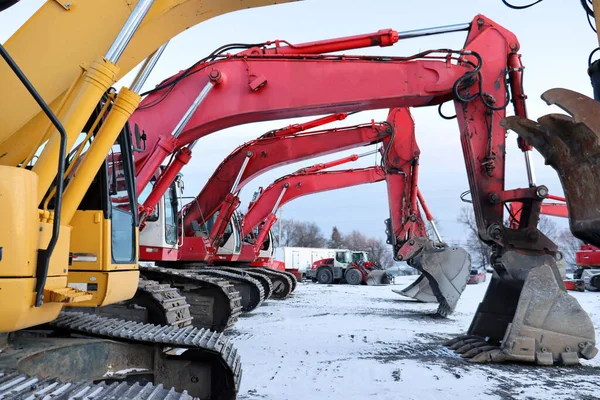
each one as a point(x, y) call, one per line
point(366, 342)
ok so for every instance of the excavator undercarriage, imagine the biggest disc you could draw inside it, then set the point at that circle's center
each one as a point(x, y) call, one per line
point(200, 361)
point(17, 386)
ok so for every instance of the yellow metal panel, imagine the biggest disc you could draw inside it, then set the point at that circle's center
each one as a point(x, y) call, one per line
point(19, 216)
point(88, 228)
point(92, 235)
point(596, 8)
point(17, 298)
point(54, 42)
point(111, 287)
point(59, 261)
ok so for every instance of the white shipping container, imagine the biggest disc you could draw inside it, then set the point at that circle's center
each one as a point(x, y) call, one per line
point(301, 258)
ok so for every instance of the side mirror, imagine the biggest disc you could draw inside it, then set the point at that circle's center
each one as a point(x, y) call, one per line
point(140, 140)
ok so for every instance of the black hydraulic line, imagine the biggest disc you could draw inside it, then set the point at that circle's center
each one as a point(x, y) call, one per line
point(516, 7)
point(43, 259)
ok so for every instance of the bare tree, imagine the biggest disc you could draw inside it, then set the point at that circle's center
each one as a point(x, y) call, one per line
point(308, 234)
point(336, 241)
point(480, 252)
point(568, 246)
point(355, 240)
point(286, 232)
point(380, 252)
point(298, 234)
point(549, 228)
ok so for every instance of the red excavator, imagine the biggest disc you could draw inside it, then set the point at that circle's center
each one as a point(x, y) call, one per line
point(276, 148)
point(264, 83)
point(261, 214)
point(446, 278)
point(401, 158)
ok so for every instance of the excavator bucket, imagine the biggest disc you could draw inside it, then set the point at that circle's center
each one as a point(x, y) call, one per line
point(530, 320)
point(377, 278)
point(526, 314)
point(570, 145)
point(444, 275)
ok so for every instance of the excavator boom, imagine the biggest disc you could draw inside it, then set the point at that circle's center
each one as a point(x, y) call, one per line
point(34, 45)
point(263, 84)
point(266, 153)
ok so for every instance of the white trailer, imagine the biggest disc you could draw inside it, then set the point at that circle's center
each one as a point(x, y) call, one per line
point(301, 258)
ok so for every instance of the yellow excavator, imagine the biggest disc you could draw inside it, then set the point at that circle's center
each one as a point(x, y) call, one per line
point(69, 218)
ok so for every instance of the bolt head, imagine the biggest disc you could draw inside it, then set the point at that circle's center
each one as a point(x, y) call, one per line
point(494, 198)
point(541, 192)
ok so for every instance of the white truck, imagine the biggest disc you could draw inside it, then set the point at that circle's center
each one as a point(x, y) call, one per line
point(301, 258)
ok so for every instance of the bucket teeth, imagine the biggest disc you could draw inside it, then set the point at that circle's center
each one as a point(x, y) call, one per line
point(457, 339)
point(469, 344)
point(494, 355)
point(462, 343)
point(478, 348)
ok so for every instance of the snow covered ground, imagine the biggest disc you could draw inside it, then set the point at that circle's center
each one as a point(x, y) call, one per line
point(366, 342)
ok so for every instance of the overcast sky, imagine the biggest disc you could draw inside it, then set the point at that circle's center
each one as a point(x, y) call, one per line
point(555, 42)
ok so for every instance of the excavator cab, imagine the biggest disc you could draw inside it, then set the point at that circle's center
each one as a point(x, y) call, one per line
point(159, 240)
point(107, 219)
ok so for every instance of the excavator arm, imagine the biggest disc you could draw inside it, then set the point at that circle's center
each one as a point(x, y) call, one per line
point(262, 212)
point(411, 81)
point(262, 155)
point(271, 150)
